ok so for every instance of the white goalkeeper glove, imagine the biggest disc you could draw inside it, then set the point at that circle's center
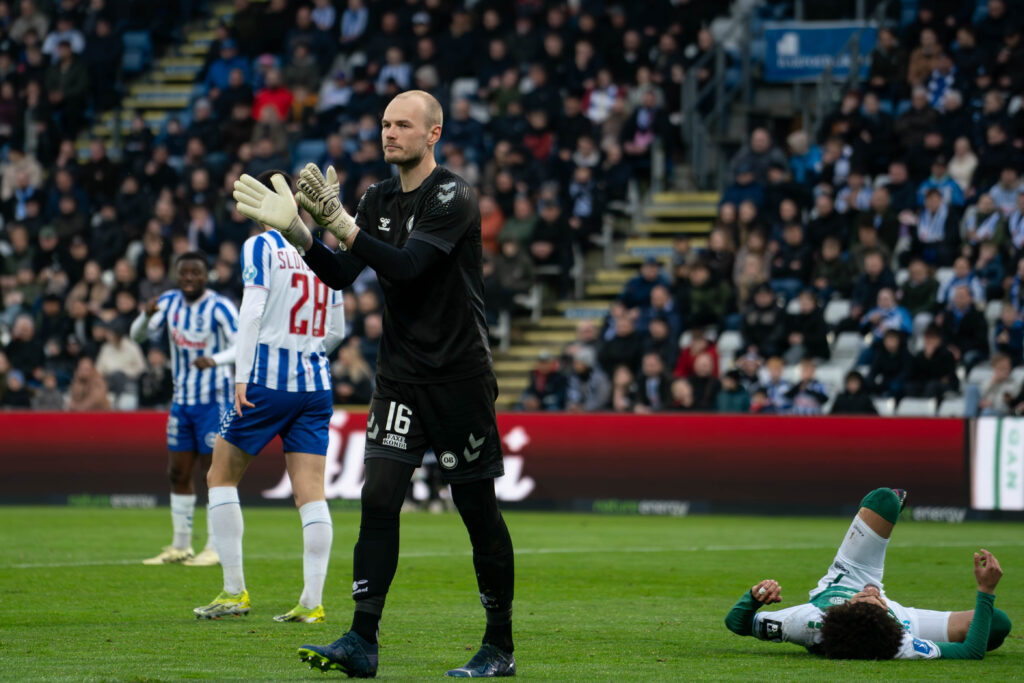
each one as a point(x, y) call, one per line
point(275, 208)
point(319, 196)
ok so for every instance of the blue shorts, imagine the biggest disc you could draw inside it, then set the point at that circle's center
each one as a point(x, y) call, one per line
point(301, 419)
point(193, 429)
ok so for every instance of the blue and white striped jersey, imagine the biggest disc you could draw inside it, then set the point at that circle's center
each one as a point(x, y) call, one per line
point(205, 327)
point(289, 352)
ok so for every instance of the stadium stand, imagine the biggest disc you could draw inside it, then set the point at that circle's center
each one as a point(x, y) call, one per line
point(642, 191)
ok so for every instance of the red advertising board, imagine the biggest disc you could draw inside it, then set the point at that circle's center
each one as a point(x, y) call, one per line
point(549, 458)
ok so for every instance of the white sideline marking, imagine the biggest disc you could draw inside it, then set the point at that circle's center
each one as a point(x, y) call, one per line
point(548, 551)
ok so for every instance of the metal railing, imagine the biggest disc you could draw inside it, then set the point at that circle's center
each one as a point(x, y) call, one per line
point(701, 124)
point(829, 91)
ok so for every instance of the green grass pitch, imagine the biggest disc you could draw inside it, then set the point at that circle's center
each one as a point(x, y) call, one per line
point(598, 598)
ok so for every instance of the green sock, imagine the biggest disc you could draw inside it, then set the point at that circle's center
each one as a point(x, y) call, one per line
point(885, 502)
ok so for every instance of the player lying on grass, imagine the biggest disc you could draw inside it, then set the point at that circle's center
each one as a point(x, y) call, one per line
point(849, 616)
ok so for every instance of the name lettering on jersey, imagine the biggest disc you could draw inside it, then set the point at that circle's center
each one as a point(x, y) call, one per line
point(385, 224)
point(446, 192)
point(290, 260)
point(181, 340)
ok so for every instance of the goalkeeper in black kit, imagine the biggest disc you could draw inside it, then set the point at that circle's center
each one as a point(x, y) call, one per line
point(435, 380)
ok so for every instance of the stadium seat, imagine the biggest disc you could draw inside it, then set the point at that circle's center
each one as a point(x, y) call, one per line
point(992, 311)
point(729, 342)
point(847, 346)
point(980, 374)
point(837, 311)
point(944, 275)
point(884, 406)
point(308, 151)
point(921, 322)
point(832, 375)
point(793, 307)
point(917, 407)
point(1017, 375)
point(902, 275)
point(952, 407)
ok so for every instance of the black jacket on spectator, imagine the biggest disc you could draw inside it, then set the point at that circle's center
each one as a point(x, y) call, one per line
point(992, 160)
point(854, 404)
point(889, 371)
point(654, 392)
point(903, 196)
point(832, 225)
point(814, 330)
point(625, 350)
point(762, 327)
point(705, 391)
point(932, 376)
point(865, 289)
point(919, 298)
point(792, 262)
point(25, 355)
point(969, 333)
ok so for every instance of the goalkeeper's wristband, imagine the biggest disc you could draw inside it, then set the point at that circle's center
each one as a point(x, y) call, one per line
point(296, 228)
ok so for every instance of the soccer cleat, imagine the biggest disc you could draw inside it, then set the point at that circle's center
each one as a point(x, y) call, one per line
point(314, 615)
point(488, 662)
point(225, 605)
point(902, 495)
point(351, 654)
point(170, 555)
point(207, 557)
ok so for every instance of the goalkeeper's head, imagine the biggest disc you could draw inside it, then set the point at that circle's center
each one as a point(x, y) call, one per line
point(860, 630)
point(410, 128)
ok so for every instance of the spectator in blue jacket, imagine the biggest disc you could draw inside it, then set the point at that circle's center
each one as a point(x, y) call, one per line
point(637, 291)
point(744, 188)
point(218, 76)
point(952, 194)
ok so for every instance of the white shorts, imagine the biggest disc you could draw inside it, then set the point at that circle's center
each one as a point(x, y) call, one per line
point(860, 562)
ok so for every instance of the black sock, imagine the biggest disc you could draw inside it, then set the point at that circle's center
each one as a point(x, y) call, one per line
point(500, 635)
point(366, 624)
point(493, 557)
point(375, 557)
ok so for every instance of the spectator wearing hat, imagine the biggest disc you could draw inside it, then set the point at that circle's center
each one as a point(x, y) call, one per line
point(637, 292)
point(16, 395)
point(744, 187)
point(940, 179)
point(733, 398)
point(218, 76)
point(853, 400)
point(547, 388)
point(589, 388)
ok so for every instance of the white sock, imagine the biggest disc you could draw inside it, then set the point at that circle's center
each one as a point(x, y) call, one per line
point(183, 508)
point(210, 536)
point(226, 520)
point(317, 534)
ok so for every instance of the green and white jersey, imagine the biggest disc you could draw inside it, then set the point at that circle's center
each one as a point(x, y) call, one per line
point(801, 625)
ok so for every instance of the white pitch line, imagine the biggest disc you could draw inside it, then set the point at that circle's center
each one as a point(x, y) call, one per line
point(550, 551)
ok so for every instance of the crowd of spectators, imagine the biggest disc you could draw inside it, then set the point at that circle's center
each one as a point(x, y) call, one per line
point(902, 215)
point(550, 110)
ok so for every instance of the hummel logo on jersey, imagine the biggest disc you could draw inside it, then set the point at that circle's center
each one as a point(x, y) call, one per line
point(447, 191)
point(474, 443)
point(408, 226)
point(385, 224)
point(371, 428)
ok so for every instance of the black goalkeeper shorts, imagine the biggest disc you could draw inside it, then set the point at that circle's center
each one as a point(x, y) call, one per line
point(456, 419)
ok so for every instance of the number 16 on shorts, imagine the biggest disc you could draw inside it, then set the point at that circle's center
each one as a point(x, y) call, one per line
point(396, 426)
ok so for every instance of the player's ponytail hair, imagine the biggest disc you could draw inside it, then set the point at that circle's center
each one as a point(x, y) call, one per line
point(267, 175)
point(860, 630)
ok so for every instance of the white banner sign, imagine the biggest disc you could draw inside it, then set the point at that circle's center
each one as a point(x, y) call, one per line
point(997, 464)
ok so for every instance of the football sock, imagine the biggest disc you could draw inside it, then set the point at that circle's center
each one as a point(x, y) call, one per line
point(885, 502)
point(317, 533)
point(375, 558)
point(999, 629)
point(226, 516)
point(183, 507)
point(210, 536)
point(493, 557)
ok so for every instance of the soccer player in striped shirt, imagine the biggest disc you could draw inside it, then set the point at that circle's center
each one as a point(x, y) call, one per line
point(289, 322)
point(201, 326)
